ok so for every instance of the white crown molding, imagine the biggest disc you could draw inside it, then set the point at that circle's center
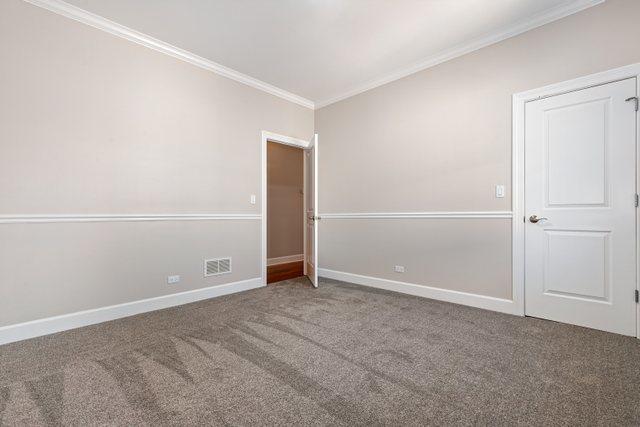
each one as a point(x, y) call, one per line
point(535, 21)
point(65, 322)
point(456, 297)
point(65, 9)
point(402, 215)
point(27, 219)
point(62, 8)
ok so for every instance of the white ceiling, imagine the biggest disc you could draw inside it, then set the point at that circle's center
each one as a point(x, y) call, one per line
point(325, 50)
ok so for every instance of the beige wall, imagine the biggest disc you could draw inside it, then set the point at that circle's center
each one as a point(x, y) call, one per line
point(439, 140)
point(285, 202)
point(94, 124)
point(461, 254)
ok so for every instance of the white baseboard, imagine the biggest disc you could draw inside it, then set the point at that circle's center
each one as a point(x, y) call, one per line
point(456, 297)
point(285, 259)
point(36, 328)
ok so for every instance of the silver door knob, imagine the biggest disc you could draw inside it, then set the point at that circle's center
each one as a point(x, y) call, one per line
point(534, 218)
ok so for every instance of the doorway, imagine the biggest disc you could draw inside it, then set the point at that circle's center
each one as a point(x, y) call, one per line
point(579, 211)
point(285, 212)
point(289, 208)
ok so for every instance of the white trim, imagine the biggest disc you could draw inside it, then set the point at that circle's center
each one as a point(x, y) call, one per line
point(535, 21)
point(400, 215)
point(314, 256)
point(65, 9)
point(36, 328)
point(517, 206)
point(27, 219)
point(638, 210)
point(285, 259)
point(305, 249)
point(286, 140)
point(456, 297)
point(596, 79)
point(73, 12)
point(267, 136)
point(518, 171)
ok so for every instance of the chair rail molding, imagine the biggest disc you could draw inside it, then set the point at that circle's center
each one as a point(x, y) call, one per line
point(428, 214)
point(56, 218)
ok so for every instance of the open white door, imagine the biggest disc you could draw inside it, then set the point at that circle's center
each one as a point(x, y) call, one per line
point(311, 210)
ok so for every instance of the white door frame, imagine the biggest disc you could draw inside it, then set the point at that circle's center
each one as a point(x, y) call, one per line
point(293, 142)
point(518, 172)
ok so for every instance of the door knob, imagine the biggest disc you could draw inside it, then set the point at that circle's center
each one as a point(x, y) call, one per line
point(534, 218)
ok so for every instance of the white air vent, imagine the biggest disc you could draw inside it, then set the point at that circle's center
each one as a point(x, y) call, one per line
point(217, 266)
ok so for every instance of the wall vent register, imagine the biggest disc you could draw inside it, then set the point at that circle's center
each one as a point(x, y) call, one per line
point(213, 267)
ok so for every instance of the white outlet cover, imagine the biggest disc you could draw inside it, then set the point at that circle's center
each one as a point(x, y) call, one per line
point(253, 199)
point(499, 191)
point(399, 268)
point(173, 279)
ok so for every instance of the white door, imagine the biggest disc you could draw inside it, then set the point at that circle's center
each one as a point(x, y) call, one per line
point(311, 210)
point(580, 233)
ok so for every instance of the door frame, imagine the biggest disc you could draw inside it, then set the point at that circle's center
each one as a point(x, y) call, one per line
point(518, 170)
point(293, 142)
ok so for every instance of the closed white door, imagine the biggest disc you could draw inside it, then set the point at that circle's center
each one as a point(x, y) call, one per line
point(311, 207)
point(580, 189)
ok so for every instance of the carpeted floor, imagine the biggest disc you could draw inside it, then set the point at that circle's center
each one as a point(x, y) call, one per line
point(338, 355)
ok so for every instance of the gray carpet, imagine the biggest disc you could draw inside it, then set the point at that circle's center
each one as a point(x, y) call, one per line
point(338, 355)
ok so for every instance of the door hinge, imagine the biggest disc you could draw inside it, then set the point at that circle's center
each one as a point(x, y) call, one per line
point(637, 200)
point(633, 98)
point(637, 293)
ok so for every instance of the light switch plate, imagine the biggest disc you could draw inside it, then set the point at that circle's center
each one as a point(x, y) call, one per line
point(252, 199)
point(500, 191)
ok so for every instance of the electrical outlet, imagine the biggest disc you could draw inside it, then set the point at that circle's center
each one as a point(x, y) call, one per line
point(252, 199)
point(399, 268)
point(499, 191)
point(173, 279)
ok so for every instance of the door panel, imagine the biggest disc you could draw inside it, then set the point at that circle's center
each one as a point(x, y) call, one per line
point(577, 264)
point(580, 180)
point(311, 203)
point(576, 144)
